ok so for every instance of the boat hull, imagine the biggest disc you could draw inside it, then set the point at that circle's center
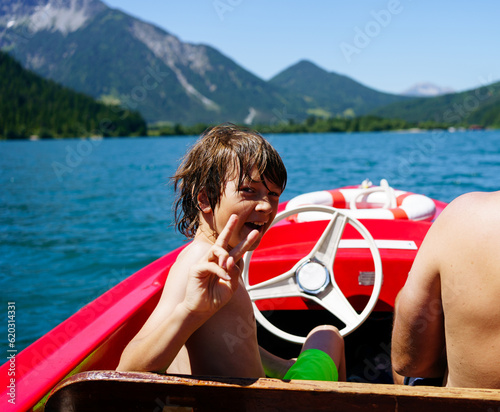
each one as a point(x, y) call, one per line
point(94, 337)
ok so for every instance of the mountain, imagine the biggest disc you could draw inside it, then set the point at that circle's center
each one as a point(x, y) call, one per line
point(427, 90)
point(31, 105)
point(116, 58)
point(112, 56)
point(479, 106)
point(330, 94)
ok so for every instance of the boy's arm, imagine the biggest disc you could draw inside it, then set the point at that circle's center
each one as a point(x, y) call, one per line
point(211, 281)
point(158, 343)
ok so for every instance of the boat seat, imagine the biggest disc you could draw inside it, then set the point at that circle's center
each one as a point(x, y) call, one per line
point(131, 391)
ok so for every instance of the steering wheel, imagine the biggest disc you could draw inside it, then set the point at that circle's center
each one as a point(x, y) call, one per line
point(312, 276)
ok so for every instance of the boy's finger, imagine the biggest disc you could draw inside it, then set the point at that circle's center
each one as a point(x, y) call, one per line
point(225, 235)
point(213, 269)
point(219, 255)
point(242, 247)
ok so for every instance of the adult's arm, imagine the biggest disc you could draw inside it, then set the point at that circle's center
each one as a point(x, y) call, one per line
point(418, 339)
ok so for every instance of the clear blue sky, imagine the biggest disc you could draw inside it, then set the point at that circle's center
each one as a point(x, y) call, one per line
point(388, 45)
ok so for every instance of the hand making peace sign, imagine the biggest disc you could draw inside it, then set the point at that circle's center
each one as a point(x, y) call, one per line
point(215, 278)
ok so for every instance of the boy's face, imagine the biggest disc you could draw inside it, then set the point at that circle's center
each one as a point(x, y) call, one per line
point(255, 203)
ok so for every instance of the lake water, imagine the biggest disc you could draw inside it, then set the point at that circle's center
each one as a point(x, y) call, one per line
point(77, 216)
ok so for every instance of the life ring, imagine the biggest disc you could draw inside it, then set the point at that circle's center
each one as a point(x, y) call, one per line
point(367, 202)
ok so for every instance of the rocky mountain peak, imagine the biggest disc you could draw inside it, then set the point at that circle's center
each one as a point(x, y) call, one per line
point(170, 49)
point(65, 16)
point(176, 54)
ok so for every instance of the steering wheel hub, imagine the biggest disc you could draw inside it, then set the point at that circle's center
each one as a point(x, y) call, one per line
point(312, 277)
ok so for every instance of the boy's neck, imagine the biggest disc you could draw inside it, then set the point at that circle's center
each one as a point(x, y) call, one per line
point(205, 232)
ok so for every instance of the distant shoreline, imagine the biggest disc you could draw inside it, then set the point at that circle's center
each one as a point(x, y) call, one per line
point(267, 130)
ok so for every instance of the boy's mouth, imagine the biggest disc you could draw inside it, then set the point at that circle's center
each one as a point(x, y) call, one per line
point(255, 225)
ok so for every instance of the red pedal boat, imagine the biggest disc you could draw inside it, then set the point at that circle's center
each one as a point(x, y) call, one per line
point(317, 264)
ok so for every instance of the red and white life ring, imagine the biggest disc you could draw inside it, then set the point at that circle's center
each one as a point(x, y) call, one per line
point(368, 202)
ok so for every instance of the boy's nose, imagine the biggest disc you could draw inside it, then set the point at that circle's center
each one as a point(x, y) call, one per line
point(264, 205)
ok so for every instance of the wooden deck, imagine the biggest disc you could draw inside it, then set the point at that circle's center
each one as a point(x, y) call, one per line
point(118, 391)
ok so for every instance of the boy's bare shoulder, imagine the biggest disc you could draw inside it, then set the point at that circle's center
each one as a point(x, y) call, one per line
point(178, 274)
point(190, 255)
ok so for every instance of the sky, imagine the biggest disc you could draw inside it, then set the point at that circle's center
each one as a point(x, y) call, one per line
point(388, 45)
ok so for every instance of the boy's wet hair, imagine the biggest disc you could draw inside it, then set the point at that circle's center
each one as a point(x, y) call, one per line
point(219, 153)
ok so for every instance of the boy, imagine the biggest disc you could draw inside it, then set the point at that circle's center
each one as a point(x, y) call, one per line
point(229, 186)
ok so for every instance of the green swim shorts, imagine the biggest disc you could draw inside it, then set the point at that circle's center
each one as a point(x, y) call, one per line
point(314, 365)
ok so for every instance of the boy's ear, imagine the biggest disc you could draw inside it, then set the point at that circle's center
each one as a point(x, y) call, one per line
point(203, 202)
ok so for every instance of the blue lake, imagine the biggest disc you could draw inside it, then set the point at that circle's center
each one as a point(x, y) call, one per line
point(77, 216)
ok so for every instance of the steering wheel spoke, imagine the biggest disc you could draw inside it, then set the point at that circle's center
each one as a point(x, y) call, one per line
point(279, 286)
point(334, 301)
point(325, 249)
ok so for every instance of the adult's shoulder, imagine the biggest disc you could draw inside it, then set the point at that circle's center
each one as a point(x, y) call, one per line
point(473, 203)
point(470, 213)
